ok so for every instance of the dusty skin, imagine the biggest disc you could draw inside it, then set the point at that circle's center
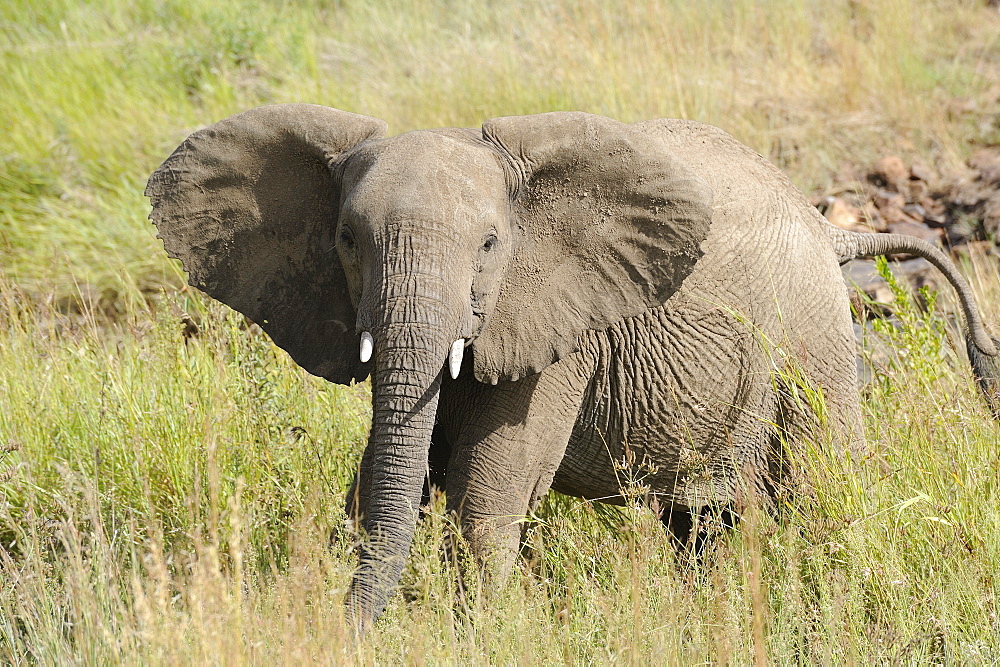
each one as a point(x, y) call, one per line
point(529, 298)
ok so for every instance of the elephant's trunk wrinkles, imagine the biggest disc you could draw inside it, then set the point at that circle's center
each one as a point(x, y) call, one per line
point(409, 362)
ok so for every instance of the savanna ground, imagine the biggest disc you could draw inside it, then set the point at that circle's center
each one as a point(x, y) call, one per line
point(172, 479)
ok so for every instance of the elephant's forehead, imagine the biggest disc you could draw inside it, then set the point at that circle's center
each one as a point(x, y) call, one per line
point(427, 173)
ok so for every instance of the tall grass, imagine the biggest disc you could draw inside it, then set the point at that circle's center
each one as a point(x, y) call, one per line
point(177, 497)
point(172, 492)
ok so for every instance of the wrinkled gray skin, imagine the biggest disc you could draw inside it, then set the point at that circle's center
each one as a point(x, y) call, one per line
point(655, 284)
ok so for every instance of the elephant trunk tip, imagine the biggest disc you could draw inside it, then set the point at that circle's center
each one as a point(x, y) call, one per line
point(986, 368)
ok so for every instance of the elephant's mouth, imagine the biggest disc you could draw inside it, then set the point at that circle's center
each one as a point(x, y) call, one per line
point(478, 318)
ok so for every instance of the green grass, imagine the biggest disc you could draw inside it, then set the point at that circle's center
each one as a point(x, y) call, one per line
point(172, 499)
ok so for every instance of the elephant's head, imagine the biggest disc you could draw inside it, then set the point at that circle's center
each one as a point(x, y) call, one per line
point(362, 255)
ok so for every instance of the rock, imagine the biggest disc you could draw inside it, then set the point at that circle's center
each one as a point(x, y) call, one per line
point(963, 230)
point(915, 211)
point(916, 229)
point(991, 215)
point(919, 273)
point(968, 193)
point(921, 172)
point(886, 201)
point(917, 189)
point(947, 211)
point(935, 213)
point(921, 177)
point(987, 162)
point(873, 218)
point(861, 274)
point(890, 173)
point(973, 202)
point(844, 215)
point(890, 206)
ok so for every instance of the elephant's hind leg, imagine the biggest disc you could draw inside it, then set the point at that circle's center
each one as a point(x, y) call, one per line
point(819, 401)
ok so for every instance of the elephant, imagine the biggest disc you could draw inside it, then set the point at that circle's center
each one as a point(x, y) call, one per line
point(538, 303)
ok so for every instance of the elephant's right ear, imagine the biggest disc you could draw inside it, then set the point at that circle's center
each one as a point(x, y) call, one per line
point(249, 205)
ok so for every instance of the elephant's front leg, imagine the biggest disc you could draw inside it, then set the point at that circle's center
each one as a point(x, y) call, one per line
point(511, 440)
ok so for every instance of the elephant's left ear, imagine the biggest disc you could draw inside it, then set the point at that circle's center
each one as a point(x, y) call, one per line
point(607, 225)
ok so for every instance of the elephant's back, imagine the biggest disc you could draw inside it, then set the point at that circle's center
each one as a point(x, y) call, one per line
point(769, 256)
point(739, 177)
point(727, 165)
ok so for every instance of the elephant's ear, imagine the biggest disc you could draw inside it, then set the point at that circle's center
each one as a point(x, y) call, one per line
point(249, 205)
point(607, 225)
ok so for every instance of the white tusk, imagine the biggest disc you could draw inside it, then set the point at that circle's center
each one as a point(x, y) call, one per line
point(455, 358)
point(366, 347)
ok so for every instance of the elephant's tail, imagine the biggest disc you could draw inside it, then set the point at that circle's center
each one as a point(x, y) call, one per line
point(982, 348)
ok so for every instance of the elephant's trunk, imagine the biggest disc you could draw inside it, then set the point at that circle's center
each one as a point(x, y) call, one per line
point(410, 349)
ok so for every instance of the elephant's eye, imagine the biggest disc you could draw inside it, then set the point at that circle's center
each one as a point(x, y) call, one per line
point(489, 243)
point(346, 240)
